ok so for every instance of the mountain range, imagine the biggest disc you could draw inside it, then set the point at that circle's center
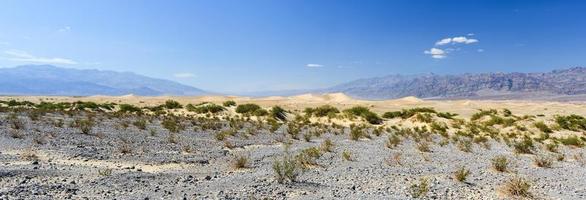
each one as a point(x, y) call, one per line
point(51, 80)
point(566, 82)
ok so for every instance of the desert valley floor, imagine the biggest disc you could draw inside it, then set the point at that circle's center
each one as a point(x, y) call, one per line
point(216, 147)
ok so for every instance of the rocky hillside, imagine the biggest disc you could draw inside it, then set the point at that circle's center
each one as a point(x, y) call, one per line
point(558, 82)
point(51, 80)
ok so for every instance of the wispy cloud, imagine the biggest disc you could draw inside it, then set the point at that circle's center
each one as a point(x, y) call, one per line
point(314, 65)
point(456, 40)
point(64, 29)
point(184, 75)
point(439, 52)
point(436, 53)
point(23, 56)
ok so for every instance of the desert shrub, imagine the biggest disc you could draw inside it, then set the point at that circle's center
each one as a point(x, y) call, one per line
point(260, 112)
point(322, 111)
point(423, 117)
point(286, 169)
point(84, 125)
point(346, 155)
point(172, 125)
point(140, 124)
point(172, 138)
point(273, 125)
point(308, 157)
point(247, 108)
point(461, 174)
point(507, 112)
point(517, 187)
point(15, 122)
point(16, 134)
point(423, 146)
point(571, 122)
point(240, 161)
point(408, 113)
point(293, 129)
point(542, 127)
point(571, 141)
point(205, 108)
point(278, 113)
point(365, 113)
point(440, 128)
point(419, 190)
point(393, 141)
point(357, 132)
point(500, 163)
point(327, 145)
point(307, 137)
point(543, 161)
point(172, 104)
point(465, 145)
point(552, 147)
point(393, 114)
point(446, 115)
point(127, 108)
point(29, 154)
point(483, 113)
point(524, 146)
point(105, 172)
point(229, 103)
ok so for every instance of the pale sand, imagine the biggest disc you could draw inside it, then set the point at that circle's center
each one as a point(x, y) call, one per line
point(465, 108)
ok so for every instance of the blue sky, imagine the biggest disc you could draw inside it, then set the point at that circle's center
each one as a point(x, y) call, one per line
point(242, 46)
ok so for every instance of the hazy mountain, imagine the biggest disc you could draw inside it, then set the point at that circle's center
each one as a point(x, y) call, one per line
point(485, 85)
point(51, 80)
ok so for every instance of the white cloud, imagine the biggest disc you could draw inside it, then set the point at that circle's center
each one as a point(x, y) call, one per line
point(455, 40)
point(436, 53)
point(23, 56)
point(480, 50)
point(314, 65)
point(64, 29)
point(184, 75)
point(443, 41)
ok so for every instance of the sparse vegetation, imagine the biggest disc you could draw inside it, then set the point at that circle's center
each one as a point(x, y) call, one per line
point(419, 190)
point(461, 174)
point(517, 187)
point(500, 163)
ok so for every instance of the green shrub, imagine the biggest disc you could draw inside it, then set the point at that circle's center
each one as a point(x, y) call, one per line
point(205, 108)
point(127, 108)
point(446, 115)
point(500, 163)
point(421, 189)
point(322, 111)
point(461, 174)
point(172, 125)
point(172, 104)
point(572, 141)
point(483, 113)
point(140, 124)
point(571, 122)
point(286, 169)
point(346, 155)
point(229, 103)
point(308, 157)
point(278, 113)
point(542, 127)
point(247, 108)
point(517, 187)
point(365, 113)
point(543, 161)
point(393, 114)
point(524, 146)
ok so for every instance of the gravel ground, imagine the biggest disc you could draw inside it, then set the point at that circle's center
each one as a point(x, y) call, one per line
point(72, 165)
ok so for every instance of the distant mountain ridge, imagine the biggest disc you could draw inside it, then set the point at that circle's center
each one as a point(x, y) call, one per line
point(558, 82)
point(52, 80)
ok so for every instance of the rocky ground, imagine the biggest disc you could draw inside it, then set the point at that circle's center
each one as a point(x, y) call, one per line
point(50, 158)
